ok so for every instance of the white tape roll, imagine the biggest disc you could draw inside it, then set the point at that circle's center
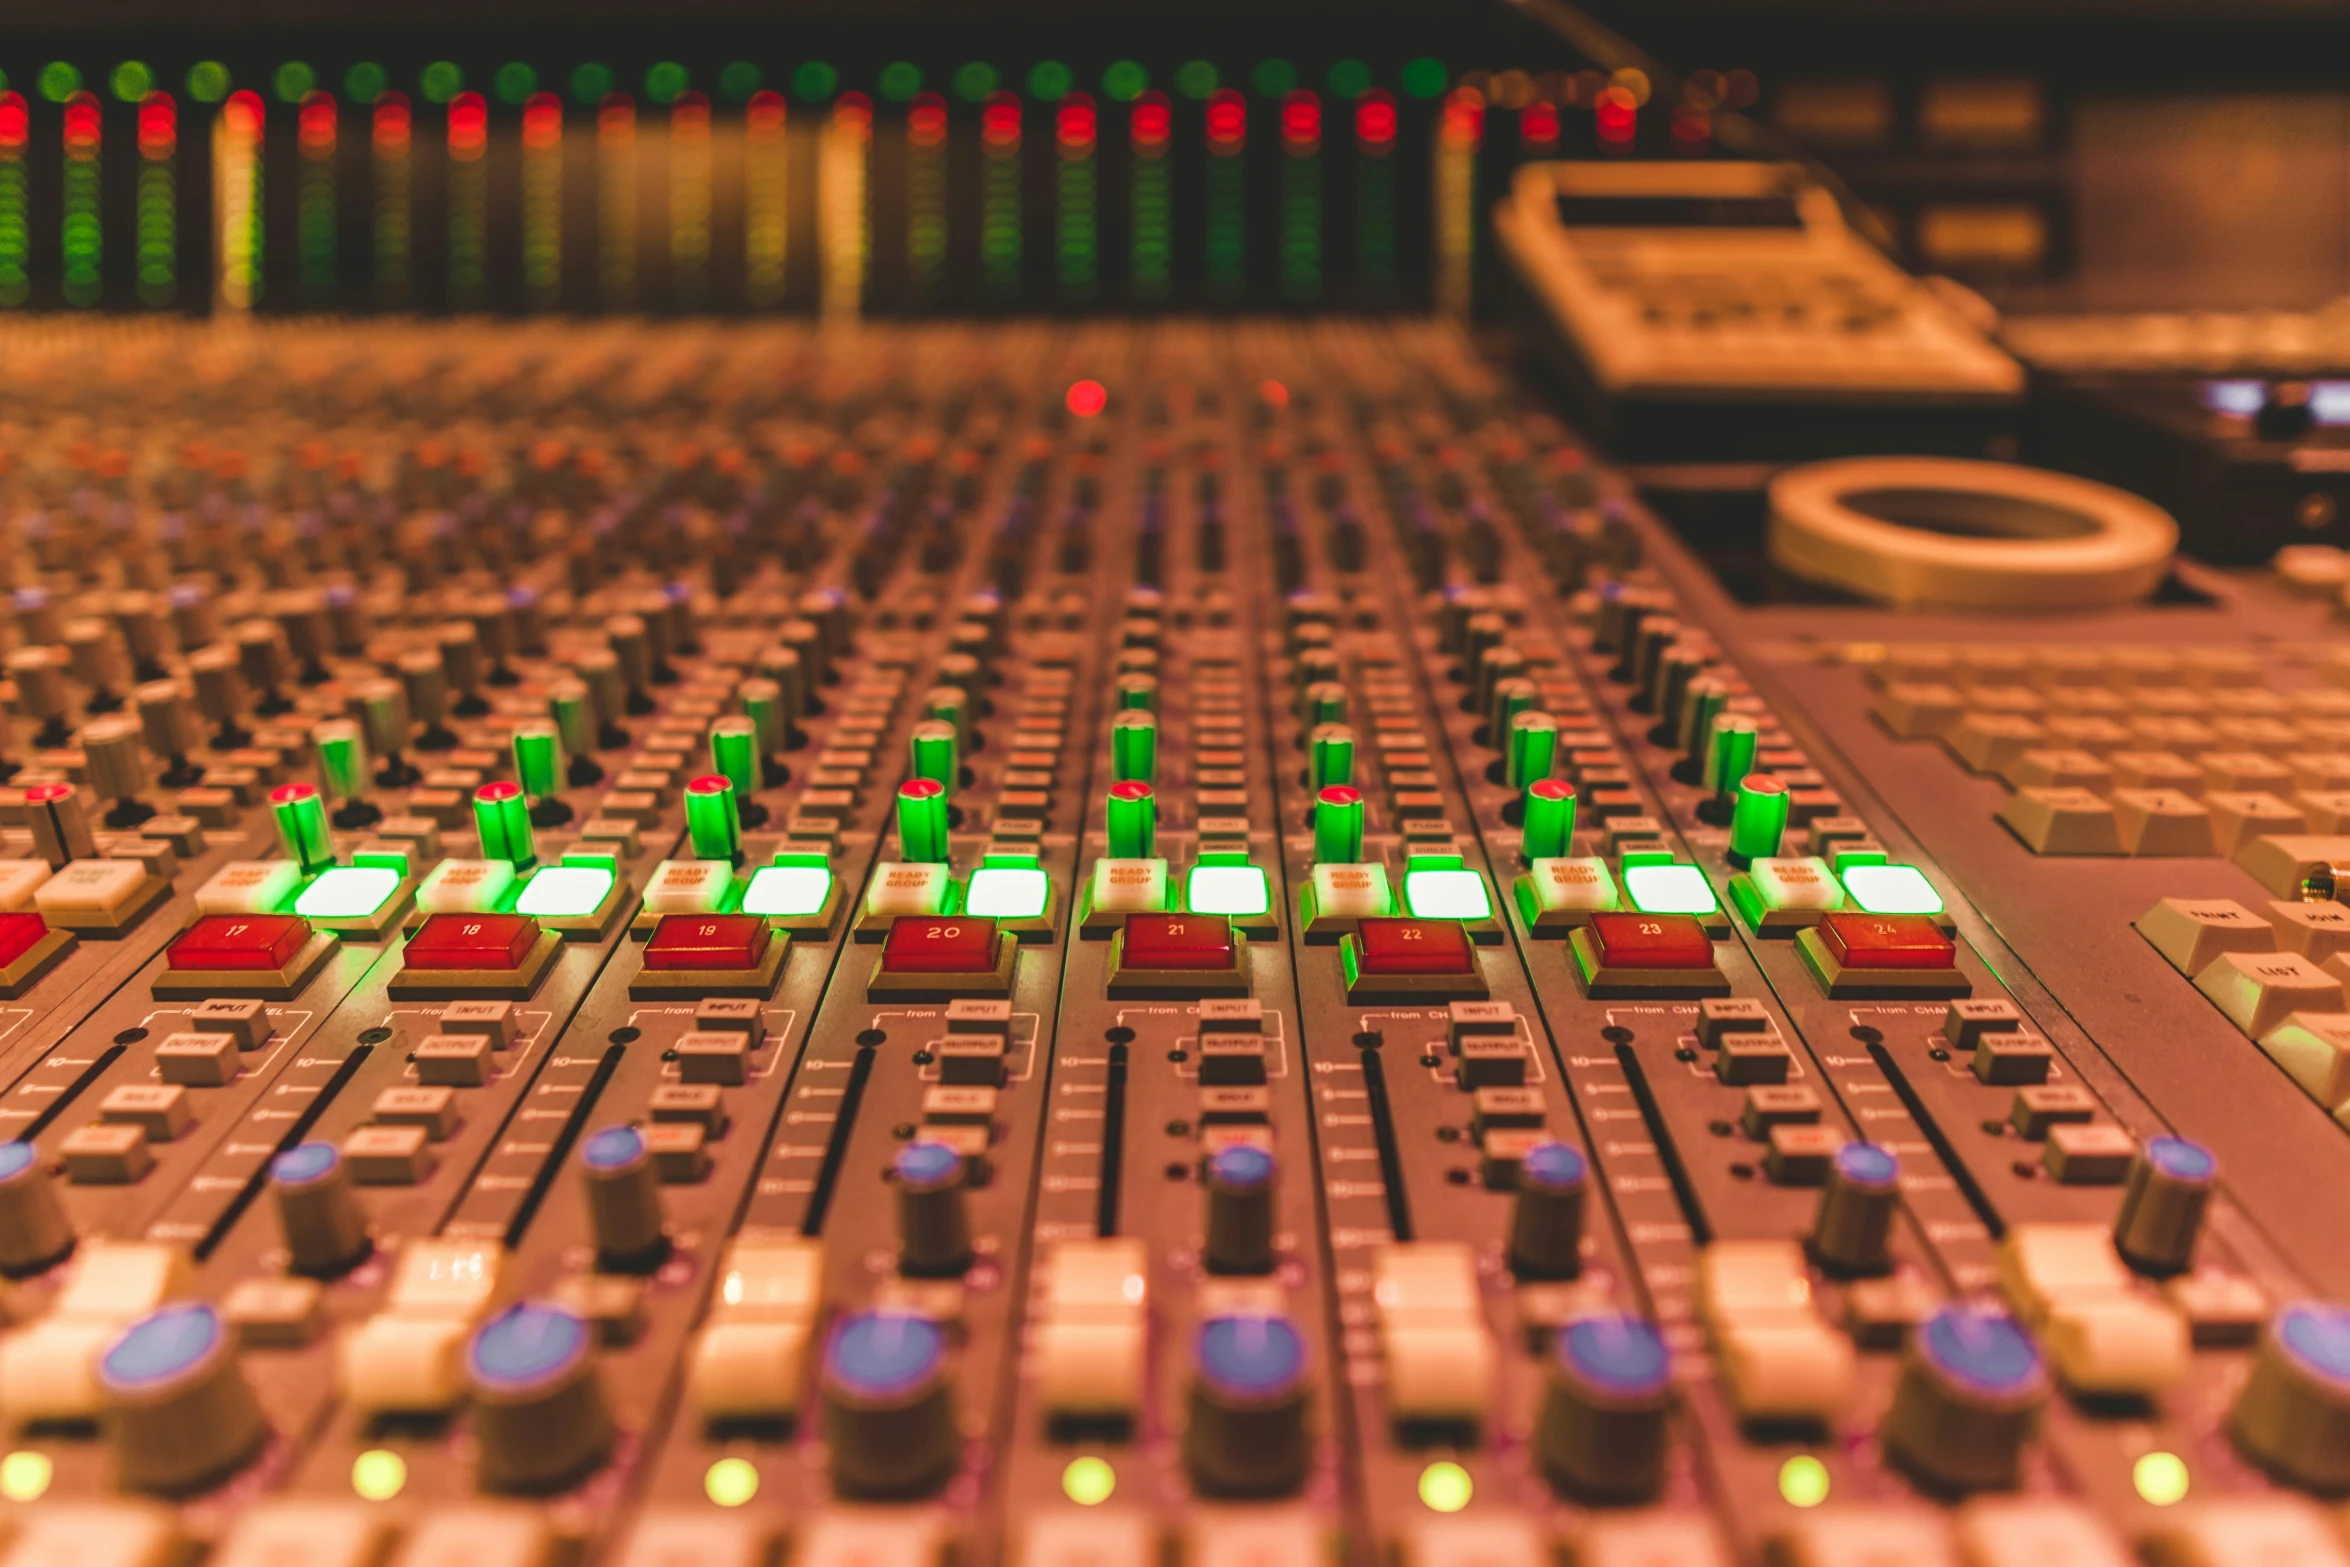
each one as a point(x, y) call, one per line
point(1952, 534)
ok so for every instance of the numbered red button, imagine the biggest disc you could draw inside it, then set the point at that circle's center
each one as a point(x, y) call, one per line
point(1393, 948)
point(19, 933)
point(1886, 941)
point(708, 941)
point(926, 944)
point(473, 941)
point(1651, 941)
point(1178, 942)
point(240, 941)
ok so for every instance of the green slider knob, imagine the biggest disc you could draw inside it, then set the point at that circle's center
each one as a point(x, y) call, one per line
point(1331, 755)
point(1510, 698)
point(922, 821)
point(1133, 820)
point(1729, 755)
point(1533, 746)
point(341, 746)
point(762, 701)
point(1550, 820)
point(302, 831)
point(1138, 693)
point(1134, 748)
point(934, 754)
point(1758, 819)
point(950, 705)
point(501, 815)
point(1323, 702)
point(1702, 702)
point(734, 752)
point(1338, 825)
point(712, 818)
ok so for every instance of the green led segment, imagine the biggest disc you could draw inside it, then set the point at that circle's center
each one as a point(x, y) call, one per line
point(1891, 889)
point(738, 79)
point(999, 195)
point(1124, 81)
point(82, 231)
point(1446, 895)
point(565, 891)
point(60, 80)
point(441, 81)
point(1803, 1481)
point(156, 210)
point(1236, 891)
point(314, 198)
point(293, 81)
point(131, 81)
point(899, 81)
point(787, 891)
point(1049, 81)
point(16, 235)
point(347, 892)
point(1196, 79)
point(365, 82)
point(1347, 79)
point(208, 81)
point(1425, 78)
point(590, 82)
point(1273, 78)
point(1669, 889)
point(516, 80)
point(975, 80)
point(665, 79)
point(1301, 197)
point(815, 82)
point(1077, 217)
point(1008, 892)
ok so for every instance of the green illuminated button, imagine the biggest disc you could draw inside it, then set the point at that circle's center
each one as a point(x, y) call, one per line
point(1332, 749)
point(1130, 886)
point(1758, 818)
point(950, 705)
point(347, 892)
point(1132, 817)
point(1446, 893)
point(788, 891)
point(909, 888)
point(1134, 748)
point(565, 892)
point(1008, 892)
point(711, 819)
point(1891, 889)
point(1235, 891)
point(1669, 889)
point(466, 887)
point(501, 816)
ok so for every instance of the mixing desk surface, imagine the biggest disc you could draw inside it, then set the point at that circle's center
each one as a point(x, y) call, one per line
point(1071, 945)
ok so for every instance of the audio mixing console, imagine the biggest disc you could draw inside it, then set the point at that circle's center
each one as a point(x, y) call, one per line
point(1071, 945)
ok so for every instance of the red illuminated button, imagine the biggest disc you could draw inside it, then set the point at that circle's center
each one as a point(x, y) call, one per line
point(473, 941)
point(1674, 941)
point(1886, 941)
point(1183, 942)
point(926, 944)
point(708, 941)
point(1397, 948)
point(18, 934)
point(240, 942)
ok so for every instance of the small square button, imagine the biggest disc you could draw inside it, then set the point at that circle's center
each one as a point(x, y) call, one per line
point(708, 942)
point(1184, 942)
point(247, 1022)
point(718, 1058)
point(249, 887)
point(1887, 941)
point(939, 946)
point(161, 1111)
point(908, 888)
point(1351, 891)
point(1394, 948)
point(1660, 941)
point(19, 934)
point(240, 943)
point(688, 886)
point(197, 1060)
point(19, 879)
point(472, 941)
point(387, 1155)
point(100, 887)
point(465, 887)
point(493, 1019)
point(1129, 886)
point(434, 1109)
point(452, 1060)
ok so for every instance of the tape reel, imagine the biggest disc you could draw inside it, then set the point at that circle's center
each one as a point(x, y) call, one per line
point(1946, 533)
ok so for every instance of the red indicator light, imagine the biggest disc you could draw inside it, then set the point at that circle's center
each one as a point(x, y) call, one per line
point(469, 126)
point(240, 942)
point(1275, 395)
point(852, 114)
point(705, 942)
point(390, 129)
point(1651, 941)
point(81, 125)
point(1617, 113)
point(243, 113)
point(1087, 398)
point(1463, 122)
point(1392, 948)
point(472, 941)
point(1693, 129)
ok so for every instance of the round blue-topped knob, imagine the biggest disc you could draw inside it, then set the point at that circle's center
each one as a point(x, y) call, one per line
point(623, 1184)
point(1546, 1220)
point(539, 1416)
point(35, 1233)
point(1239, 1179)
point(1601, 1432)
point(2162, 1210)
point(179, 1411)
point(1251, 1386)
point(934, 1226)
point(888, 1404)
point(1970, 1393)
point(1855, 1217)
point(2293, 1416)
point(325, 1228)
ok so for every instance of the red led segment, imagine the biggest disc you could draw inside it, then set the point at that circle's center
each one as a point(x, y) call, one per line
point(1188, 942)
point(473, 941)
point(1087, 398)
point(765, 112)
point(469, 126)
point(1394, 948)
point(1651, 941)
point(852, 116)
point(1462, 124)
point(81, 125)
point(707, 941)
point(240, 942)
point(19, 934)
point(314, 125)
point(1074, 126)
point(1375, 123)
point(1617, 113)
point(999, 122)
point(1227, 122)
point(1151, 122)
point(926, 120)
point(15, 124)
point(389, 130)
point(1301, 122)
point(1886, 941)
point(1538, 128)
point(926, 944)
point(542, 121)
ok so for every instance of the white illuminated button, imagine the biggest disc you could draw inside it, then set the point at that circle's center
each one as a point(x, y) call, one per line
point(18, 879)
point(564, 892)
point(770, 1280)
point(1745, 1281)
point(688, 886)
point(249, 887)
point(2194, 933)
point(749, 1370)
point(1440, 1354)
point(1352, 892)
point(466, 887)
point(787, 891)
point(347, 892)
point(1091, 1342)
point(911, 888)
point(880, 1539)
point(405, 1365)
point(2043, 1264)
point(445, 1278)
point(314, 1534)
point(1788, 1369)
point(49, 1371)
point(2248, 1531)
point(481, 1536)
point(100, 887)
point(1129, 886)
point(695, 1539)
point(2009, 1531)
point(122, 1281)
point(2116, 1346)
point(95, 1534)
